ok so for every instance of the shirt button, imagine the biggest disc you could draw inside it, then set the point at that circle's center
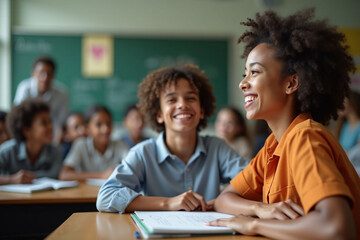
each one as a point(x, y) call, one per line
point(188, 170)
point(173, 157)
point(189, 188)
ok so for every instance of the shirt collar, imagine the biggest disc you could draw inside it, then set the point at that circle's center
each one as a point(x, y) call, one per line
point(164, 153)
point(22, 155)
point(300, 118)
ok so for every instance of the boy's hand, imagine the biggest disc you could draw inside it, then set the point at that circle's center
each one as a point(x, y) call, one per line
point(188, 201)
point(21, 177)
point(281, 210)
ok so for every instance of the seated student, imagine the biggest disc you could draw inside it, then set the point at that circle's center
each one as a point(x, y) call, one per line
point(230, 125)
point(308, 187)
point(41, 85)
point(134, 124)
point(30, 154)
point(350, 129)
point(4, 136)
point(72, 129)
point(179, 170)
point(97, 155)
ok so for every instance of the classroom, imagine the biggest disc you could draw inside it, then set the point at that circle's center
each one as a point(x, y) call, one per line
point(142, 36)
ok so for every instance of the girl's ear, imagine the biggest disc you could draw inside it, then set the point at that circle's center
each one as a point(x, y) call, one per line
point(292, 84)
point(159, 117)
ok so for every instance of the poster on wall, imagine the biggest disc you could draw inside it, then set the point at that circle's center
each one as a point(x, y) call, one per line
point(97, 56)
point(353, 40)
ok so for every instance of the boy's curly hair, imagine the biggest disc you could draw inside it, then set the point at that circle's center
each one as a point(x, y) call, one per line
point(23, 115)
point(155, 82)
point(313, 50)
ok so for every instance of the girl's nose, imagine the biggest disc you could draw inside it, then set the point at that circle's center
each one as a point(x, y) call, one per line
point(244, 84)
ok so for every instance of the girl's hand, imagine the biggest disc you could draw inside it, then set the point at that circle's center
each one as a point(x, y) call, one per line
point(242, 224)
point(281, 210)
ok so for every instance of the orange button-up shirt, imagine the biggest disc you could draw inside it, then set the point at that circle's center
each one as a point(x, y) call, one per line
point(306, 166)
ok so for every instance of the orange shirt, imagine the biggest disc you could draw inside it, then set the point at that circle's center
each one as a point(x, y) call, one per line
point(306, 166)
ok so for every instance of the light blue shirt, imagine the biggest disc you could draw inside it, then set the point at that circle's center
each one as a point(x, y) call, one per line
point(151, 169)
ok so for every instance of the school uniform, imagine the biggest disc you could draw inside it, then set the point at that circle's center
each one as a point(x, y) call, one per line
point(306, 166)
point(13, 158)
point(84, 157)
point(150, 169)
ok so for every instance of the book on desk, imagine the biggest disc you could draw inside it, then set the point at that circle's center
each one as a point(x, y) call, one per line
point(172, 224)
point(39, 185)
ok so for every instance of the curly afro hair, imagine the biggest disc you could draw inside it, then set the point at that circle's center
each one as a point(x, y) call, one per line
point(155, 82)
point(313, 50)
point(23, 115)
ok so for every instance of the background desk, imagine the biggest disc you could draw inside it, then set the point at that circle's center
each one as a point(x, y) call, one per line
point(97, 225)
point(36, 215)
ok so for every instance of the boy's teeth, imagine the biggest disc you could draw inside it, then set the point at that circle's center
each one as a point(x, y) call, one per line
point(183, 116)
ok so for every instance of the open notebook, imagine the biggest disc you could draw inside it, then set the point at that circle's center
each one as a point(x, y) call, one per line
point(39, 185)
point(170, 224)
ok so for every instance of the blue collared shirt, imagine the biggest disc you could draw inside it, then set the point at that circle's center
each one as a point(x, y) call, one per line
point(150, 169)
point(13, 158)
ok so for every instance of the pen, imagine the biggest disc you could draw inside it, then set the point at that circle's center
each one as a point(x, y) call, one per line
point(137, 235)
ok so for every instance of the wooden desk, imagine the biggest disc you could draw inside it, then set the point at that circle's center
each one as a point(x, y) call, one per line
point(96, 225)
point(36, 215)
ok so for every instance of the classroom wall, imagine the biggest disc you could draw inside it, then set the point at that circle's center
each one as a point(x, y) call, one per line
point(205, 18)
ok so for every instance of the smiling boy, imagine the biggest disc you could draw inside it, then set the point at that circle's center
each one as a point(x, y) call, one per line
point(179, 170)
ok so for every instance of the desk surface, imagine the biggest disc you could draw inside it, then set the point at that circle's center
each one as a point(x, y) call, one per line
point(96, 225)
point(81, 194)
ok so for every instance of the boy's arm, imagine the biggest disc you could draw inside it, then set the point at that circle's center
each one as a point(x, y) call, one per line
point(330, 218)
point(20, 177)
point(187, 201)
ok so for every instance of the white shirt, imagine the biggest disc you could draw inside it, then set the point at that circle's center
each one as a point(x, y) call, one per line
point(55, 96)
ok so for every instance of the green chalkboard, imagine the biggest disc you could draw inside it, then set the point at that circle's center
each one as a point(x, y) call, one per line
point(134, 58)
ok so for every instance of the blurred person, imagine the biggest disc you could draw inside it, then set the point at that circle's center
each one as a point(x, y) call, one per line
point(4, 135)
point(72, 129)
point(134, 123)
point(97, 155)
point(230, 125)
point(29, 154)
point(41, 84)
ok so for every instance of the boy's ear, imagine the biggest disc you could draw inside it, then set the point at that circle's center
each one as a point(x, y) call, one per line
point(25, 132)
point(292, 84)
point(159, 117)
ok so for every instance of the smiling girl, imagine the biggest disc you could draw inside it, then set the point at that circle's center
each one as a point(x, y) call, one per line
point(296, 78)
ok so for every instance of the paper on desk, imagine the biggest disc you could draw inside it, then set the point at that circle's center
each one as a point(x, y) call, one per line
point(181, 221)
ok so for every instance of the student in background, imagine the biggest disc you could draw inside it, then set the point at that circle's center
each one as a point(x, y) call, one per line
point(134, 124)
point(308, 187)
point(179, 170)
point(72, 129)
point(29, 154)
point(97, 155)
point(4, 136)
point(230, 125)
point(350, 129)
point(41, 84)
